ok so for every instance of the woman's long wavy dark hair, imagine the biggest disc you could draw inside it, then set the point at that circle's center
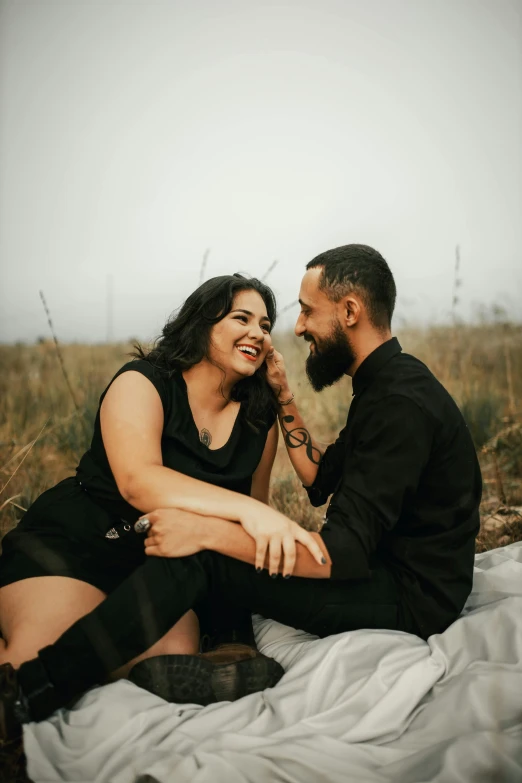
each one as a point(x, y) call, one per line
point(185, 340)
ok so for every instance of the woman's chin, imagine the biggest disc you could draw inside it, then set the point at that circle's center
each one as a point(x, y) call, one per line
point(247, 372)
point(244, 371)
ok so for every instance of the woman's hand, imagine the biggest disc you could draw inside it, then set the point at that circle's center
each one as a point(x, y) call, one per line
point(276, 374)
point(275, 535)
point(174, 533)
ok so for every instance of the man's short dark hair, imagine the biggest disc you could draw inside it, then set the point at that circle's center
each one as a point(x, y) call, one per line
point(362, 269)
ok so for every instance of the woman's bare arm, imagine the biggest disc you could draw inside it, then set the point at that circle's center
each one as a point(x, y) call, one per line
point(261, 478)
point(131, 420)
point(132, 423)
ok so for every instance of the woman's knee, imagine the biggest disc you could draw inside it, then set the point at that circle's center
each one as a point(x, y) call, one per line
point(18, 652)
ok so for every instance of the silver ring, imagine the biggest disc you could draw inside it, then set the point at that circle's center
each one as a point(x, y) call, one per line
point(142, 525)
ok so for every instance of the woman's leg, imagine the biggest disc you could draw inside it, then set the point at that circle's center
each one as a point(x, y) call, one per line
point(182, 639)
point(157, 594)
point(35, 612)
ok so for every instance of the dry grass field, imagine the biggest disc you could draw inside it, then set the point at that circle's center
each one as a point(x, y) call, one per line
point(45, 426)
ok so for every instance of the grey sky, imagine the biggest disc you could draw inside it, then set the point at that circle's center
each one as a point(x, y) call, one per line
point(134, 135)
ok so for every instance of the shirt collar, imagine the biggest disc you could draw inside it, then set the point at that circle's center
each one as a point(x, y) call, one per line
point(369, 368)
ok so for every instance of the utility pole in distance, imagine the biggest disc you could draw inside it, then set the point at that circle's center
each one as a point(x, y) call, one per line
point(110, 309)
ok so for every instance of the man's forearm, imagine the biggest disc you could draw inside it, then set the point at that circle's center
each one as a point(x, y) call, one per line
point(229, 538)
point(305, 453)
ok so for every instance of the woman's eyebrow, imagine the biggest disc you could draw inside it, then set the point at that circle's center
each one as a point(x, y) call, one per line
point(247, 312)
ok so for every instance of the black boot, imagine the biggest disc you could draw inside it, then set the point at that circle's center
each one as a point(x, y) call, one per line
point(13, 710)
point(225, 674)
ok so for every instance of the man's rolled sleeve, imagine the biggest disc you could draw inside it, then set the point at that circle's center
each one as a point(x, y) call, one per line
point(381, 468)
point(349, 560)
point(329, 472)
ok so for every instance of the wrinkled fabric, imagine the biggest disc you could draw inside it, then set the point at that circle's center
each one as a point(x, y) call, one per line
point(371, 706)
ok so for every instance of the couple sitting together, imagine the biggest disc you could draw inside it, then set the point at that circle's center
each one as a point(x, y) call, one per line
point(149, 562)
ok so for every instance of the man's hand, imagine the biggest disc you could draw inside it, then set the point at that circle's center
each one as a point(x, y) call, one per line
point(276, 374)
point(174, 533)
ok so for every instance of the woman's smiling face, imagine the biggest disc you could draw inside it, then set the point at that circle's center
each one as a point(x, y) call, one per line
point(239, 342)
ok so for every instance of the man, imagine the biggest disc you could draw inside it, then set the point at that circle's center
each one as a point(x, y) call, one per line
point(398, 542)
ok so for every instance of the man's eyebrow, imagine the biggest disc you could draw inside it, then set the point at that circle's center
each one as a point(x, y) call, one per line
point(247, 312)
point(303, 304)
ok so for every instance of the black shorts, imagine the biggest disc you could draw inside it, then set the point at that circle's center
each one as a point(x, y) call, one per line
point(64, 534)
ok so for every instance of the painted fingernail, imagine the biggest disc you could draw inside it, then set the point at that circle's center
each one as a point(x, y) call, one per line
point(258, 570)
point(323, 560)
point(286, 576)
point(273, 576)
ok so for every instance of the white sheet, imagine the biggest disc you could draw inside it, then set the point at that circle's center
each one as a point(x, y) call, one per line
point(367, 706)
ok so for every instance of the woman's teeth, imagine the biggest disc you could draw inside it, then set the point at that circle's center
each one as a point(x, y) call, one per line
point(248, 352)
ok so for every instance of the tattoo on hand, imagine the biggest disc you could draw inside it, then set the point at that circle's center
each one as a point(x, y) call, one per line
point(299, 436)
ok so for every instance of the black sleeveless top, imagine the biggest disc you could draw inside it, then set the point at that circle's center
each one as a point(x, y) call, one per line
point(230, 467)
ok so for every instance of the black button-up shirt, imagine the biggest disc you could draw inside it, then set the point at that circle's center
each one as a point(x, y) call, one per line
point(406, 488)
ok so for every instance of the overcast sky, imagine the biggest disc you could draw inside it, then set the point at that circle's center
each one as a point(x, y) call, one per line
point(134, 135)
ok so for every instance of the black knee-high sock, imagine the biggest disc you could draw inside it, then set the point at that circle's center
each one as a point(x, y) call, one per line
point(130, 620)
point(39, 696)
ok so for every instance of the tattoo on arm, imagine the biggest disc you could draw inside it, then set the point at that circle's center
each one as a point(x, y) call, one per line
point(299, 436)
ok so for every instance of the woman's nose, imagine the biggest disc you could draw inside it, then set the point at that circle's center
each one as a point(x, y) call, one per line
point(256, 333)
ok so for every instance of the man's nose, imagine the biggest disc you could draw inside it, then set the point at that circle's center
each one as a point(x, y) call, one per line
point(299, 326)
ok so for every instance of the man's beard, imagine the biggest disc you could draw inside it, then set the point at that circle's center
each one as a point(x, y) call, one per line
point(331, 360)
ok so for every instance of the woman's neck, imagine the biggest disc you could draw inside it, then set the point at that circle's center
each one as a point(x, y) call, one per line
point(207, 386)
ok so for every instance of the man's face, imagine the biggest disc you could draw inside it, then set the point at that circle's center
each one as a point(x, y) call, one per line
point(331, 353)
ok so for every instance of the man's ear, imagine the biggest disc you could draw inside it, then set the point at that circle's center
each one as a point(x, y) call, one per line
point(351, 310)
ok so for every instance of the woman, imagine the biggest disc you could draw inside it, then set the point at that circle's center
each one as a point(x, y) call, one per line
point(185, 425)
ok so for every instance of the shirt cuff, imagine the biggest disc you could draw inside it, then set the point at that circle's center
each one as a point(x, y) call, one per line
point(316, 495)
point(349, 560)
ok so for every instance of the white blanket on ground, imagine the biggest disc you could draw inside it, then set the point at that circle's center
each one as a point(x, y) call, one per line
point(368, 706)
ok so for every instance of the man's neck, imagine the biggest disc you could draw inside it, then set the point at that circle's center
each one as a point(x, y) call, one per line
point(368, 344)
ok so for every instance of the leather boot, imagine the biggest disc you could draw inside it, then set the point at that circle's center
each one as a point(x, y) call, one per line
point(13, 763)
point(225, 674)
